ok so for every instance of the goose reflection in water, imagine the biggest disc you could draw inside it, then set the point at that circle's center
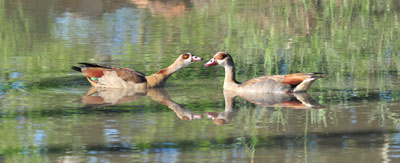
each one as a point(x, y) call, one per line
point(113, 96)
point(289, 100)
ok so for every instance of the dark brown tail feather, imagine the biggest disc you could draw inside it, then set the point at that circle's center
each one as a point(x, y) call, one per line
point(318, 75)
point(76, 68)
point(94, 65)
point(84, 64)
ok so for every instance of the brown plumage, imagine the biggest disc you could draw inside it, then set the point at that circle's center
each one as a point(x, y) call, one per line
point(298, 82)
point(95, 72)
point(128, 74)
point(294, 79)
point(114, 77)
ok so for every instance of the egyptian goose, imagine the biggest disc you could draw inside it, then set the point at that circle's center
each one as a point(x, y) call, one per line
point(113, 77)
point(298, 82)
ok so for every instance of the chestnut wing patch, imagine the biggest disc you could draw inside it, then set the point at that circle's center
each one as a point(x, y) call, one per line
point(96, 72)
point(295, 79)
point(131, 75)
point(91, 70)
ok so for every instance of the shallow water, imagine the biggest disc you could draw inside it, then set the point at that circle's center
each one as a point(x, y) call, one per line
point(47, 115)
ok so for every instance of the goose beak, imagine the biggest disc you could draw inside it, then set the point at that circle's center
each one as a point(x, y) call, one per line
point(197, 116)
point(212, 62)
point(196, 58)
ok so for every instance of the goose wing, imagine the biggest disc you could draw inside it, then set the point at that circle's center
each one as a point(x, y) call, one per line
point(94, 71)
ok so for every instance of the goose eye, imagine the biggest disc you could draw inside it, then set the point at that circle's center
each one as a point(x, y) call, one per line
point(185, 56)
point(222, 56)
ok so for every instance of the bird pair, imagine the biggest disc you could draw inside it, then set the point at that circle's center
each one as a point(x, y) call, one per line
point(113, 77)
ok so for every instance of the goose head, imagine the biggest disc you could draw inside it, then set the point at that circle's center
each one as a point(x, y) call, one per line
point(220, 58)
point(188, 58)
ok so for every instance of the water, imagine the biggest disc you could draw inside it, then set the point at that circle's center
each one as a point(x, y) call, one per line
point(47, 115)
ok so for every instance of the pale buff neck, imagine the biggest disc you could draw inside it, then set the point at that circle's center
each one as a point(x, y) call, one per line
point(159, 78)
point(178, 64)
point(230, 82)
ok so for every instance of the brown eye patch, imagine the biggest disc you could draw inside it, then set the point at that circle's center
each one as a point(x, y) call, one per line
point(221, 56)
point(185, 56)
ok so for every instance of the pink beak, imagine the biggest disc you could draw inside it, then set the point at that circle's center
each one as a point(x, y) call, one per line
point(212, 62)
point(195, 58)
point(197, 116)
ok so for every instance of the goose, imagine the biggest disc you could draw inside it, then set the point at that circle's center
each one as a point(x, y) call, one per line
point(290, 83)
point(115, 77)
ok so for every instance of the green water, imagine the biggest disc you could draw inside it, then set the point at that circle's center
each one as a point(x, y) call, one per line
point(46, 117)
